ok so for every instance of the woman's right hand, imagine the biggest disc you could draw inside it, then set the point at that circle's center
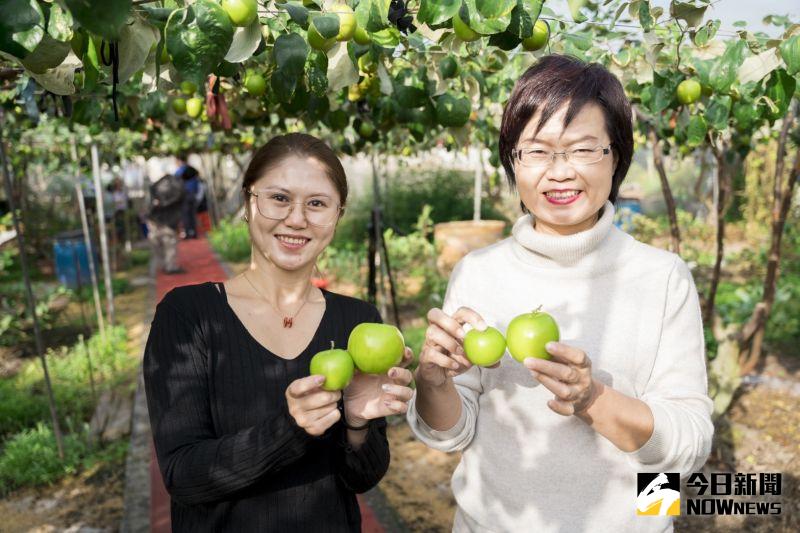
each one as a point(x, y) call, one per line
point(442, 355)
point(313, 408)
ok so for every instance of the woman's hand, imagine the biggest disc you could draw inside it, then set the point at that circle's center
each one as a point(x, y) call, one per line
point(568, 375)
point(442, 354)
point(312, 408)
point(371, 396)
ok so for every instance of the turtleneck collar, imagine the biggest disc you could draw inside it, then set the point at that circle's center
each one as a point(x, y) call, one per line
point(548, 250)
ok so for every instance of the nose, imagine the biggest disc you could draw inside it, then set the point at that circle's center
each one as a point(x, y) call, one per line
point(296, 217)
point(560, 170)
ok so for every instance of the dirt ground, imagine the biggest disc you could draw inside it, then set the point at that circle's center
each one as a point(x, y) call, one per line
point(91, 501)
point(761, 434)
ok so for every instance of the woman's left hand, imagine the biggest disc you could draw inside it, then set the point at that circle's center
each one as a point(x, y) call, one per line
point(372, 396)
point(568, 375)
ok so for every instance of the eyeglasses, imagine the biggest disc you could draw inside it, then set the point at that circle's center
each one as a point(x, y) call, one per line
point(278, 206)
point(536, 157)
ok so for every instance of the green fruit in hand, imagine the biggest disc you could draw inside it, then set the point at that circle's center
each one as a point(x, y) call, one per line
point(179, 106)
point(194, 106)
point(484, 348)
point(689, 91)
point(528, 334)
point(188, 87)
point(537, 41)
point(360, 36)
point(347, 21)
point(337, 367)
point(317, 41)
point(464, 32)
point(375, 348)
point(255, 84)
point(241, 12)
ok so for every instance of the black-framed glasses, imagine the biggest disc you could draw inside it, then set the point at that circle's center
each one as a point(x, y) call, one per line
point(278, 206)
point(536, 157)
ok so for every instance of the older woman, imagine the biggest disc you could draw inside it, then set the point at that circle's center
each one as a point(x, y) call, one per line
point(555, 445)
point(246, 439)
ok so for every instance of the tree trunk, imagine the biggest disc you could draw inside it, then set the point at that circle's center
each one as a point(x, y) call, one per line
point(658, 161)
point(782, 198)
point(723, 187)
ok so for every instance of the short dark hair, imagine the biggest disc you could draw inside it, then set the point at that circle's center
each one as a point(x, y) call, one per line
point(295, 144)
point(556, 80)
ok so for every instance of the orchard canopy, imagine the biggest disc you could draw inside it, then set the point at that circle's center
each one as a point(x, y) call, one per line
point(183, 74)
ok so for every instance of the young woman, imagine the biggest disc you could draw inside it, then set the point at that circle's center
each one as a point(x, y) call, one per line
point(556, 445)
point(246, 439)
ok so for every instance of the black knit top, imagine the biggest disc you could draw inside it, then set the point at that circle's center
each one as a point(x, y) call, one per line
point(232, 457)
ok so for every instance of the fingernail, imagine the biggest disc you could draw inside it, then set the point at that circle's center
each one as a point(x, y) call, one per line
point(482, 326)
point(551, 346)
point(392, 373)
point(461, 334)
point(528, 361)
point(319, 380)
point(534, 373)
point(386, 387)
point(387, 403)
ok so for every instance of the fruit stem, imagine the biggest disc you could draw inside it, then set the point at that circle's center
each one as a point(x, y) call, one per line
point(537, 309)
point(332, 344)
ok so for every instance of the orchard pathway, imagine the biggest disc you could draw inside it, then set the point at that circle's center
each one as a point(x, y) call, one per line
point(201, 264)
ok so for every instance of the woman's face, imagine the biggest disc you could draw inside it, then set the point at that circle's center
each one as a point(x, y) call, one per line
point(565, 197)
point(292, 243)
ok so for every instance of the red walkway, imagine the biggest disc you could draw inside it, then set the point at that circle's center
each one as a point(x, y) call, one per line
point(196, 257)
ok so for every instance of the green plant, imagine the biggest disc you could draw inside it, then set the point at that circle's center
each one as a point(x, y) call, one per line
point(231, 240)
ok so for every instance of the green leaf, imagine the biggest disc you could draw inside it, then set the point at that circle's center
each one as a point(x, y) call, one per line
point(389, 38)
point(135, 41)
point(663, 92)
point(48, 54)
point(101, 17)
point(290, 52)
point(198, 37)
point(283, 85)
point(575, 9)
point(327, 25)
point(696, 132)
point(245, 41)
point(693, 15)
point(317, 73)
point(718, 111)
point(432, 12)
point(59, 26)
point(645, 18)
point(497, 22)
point(298, 12)
point(521, 25)
point(744, 115)
point(790, 53)
point(780, 89)
point(21, 27)
point(91, 65)
point(723, 72)
point(373, 15)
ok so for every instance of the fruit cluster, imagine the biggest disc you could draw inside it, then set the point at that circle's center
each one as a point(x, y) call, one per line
point(526, 336)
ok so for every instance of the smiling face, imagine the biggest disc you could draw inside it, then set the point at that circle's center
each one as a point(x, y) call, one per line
point(291, 243)
point(565, 198)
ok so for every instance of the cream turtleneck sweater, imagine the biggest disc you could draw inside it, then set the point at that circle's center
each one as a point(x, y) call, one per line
point(634, 310)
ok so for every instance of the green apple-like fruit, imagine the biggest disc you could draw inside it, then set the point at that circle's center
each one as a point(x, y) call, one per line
point(194, 106)
point(347, 21)
point(188, 87)
point(541, 33)
point(179, 106)
point(337, 367)
point(463, 31)
point(375, 348)
point(689, 91)
point(255, 84)
point(241, 12)
point(528, 334)
point(484, 348)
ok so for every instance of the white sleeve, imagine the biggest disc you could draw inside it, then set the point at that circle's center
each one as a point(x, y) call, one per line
point(467, 384)
point(677, 390)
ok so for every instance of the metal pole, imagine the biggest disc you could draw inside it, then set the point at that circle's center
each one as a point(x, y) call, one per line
point(31, 302)
point(101, 221)
point(87, 239)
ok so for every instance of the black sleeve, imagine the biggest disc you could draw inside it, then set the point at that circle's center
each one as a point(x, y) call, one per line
point(360, 470)
point(197, 465)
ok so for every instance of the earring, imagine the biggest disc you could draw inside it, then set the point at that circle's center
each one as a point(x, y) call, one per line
point(244, 217)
